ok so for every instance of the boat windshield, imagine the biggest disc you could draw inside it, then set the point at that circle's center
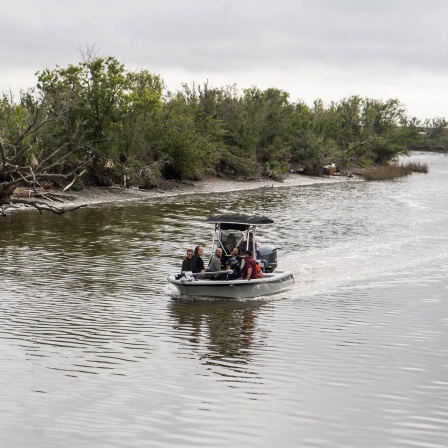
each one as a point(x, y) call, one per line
point(231, 238)
point(227, 237)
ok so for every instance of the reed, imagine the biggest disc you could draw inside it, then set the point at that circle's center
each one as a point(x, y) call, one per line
point(391, 172)
point(418, 167)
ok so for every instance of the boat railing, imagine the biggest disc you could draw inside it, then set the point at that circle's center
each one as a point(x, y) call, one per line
point(207, 275)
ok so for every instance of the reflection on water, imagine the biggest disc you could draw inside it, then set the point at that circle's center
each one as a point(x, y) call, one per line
point(94, 351)
point(227, 331)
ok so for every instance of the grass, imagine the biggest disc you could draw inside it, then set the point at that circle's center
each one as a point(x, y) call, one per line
point(391, 172)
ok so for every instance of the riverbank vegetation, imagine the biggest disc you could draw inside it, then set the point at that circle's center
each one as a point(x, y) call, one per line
point(393, 171)
point(98, 123)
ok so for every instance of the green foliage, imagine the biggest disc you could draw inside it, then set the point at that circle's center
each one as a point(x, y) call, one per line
point(182, 140)
point(430, 135)
point(135, 129)
point(108, 99)
point(313, 152)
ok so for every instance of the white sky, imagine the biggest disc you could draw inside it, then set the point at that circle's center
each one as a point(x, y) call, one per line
point(327, 49)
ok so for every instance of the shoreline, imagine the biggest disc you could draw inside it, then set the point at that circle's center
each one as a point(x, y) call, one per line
point(94, 196)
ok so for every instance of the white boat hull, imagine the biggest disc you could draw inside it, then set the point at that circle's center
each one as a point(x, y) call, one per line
point(271, 283)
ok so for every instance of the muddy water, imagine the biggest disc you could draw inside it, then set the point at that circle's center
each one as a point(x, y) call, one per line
point(94, 351)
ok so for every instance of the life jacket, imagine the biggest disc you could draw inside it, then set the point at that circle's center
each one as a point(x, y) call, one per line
point(259, 271)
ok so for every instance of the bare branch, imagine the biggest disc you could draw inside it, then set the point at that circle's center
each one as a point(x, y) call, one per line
point(19, 154)
point(33, 127)
point(41, 206)
point(26, 179)
point(76, 176)
point(22, 136)
point(63, 176)
point(2, 152)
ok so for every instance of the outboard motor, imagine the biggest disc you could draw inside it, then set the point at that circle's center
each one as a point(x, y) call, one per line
point(267, 253)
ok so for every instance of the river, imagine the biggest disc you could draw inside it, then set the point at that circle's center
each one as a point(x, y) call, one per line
point(95, 352)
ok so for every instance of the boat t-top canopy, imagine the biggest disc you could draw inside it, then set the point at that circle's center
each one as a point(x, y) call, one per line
point(249, 220)
point(236, 231)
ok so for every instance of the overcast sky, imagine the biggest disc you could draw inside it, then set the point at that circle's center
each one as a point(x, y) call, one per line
point(327, 49)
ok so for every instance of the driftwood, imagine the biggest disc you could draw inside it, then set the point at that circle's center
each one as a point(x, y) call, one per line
point(40, 200)
point(41, 206)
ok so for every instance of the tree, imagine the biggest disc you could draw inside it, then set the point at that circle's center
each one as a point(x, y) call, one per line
point(99, 86)
point(386, 128)
point(189, 137)
point(435, 127)
point(115, 109)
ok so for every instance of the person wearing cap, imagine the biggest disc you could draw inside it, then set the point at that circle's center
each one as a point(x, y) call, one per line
point(249, 270)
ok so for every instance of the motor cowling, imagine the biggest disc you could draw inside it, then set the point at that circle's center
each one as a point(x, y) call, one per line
point(267, 254)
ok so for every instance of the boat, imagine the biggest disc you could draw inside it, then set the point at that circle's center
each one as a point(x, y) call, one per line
point(235, 231)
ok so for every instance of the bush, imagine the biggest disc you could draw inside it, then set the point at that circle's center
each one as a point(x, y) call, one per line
point(391, 172)
point(417, 167)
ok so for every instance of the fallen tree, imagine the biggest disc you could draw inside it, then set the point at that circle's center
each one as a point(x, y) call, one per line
point(38, 142)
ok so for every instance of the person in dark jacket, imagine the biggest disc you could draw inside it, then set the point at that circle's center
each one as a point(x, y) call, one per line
point(234, 263)
point(197, 263)
point(187, 263)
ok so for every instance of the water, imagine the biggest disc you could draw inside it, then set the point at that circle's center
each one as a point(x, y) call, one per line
point(95, 352)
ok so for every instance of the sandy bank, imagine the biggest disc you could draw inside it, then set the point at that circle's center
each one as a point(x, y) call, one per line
point(102, 195)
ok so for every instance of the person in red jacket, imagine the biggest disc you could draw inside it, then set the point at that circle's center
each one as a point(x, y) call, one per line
point(250, 266)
